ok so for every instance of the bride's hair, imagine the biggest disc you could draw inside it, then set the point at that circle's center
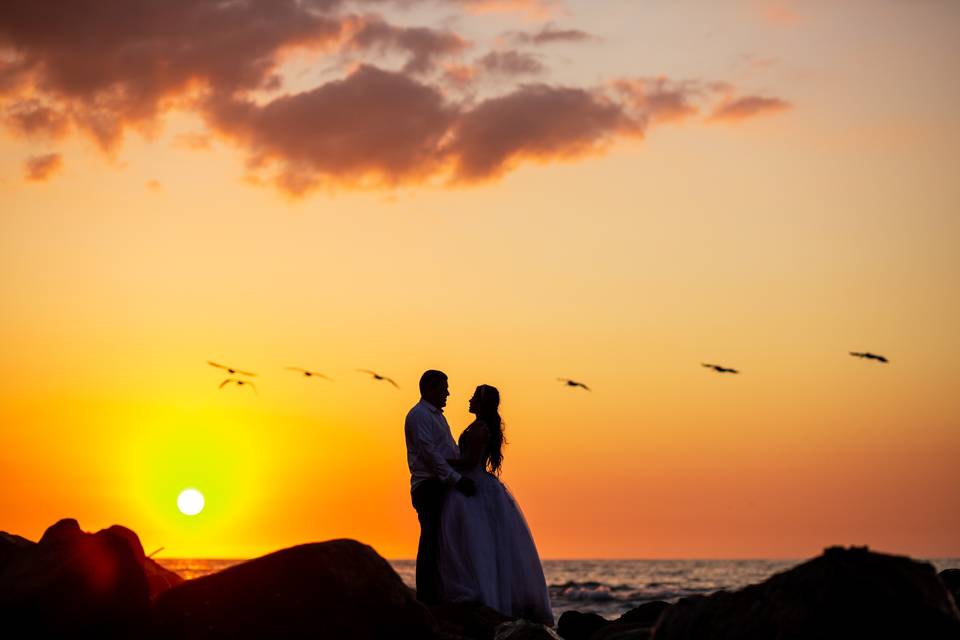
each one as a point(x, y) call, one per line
point(488, 410)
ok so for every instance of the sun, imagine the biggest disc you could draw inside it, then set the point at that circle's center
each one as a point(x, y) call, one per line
point(190, 502)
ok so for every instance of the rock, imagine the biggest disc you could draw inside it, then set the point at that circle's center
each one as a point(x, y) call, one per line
point(843, 594)
point(77, 584)
point(574, 625)
point(12, 546)
point(646, 614)
point(623, 632)
point(158, 578)
point(335, 589)
point(468, 620)
point(636, 624)
point(951, 578)
point(524, 630)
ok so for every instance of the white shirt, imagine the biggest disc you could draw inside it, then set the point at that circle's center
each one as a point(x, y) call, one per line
point(429, 445)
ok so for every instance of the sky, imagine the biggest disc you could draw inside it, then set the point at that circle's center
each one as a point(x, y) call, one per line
point(513, 191)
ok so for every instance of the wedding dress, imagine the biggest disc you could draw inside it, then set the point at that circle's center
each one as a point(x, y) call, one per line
point(487, 553)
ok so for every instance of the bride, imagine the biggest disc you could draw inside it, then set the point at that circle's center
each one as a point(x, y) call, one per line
point(487, 553)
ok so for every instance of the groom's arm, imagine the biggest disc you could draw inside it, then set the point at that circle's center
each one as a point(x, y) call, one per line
point(430, 450)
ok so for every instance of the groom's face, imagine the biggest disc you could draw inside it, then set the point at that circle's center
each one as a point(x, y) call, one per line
point(438, 395)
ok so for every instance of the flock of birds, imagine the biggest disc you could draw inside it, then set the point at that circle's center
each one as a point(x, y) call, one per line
point(307, 373)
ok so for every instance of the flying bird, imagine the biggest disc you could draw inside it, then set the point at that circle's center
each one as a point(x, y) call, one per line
point(230, 370)
point(239, 383)
point(377, 376)
point(868, 356)
point(573, 383)
point(718, 368)
point(310, 374)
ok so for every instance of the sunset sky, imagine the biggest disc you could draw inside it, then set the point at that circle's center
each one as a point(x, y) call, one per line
point(511, 191)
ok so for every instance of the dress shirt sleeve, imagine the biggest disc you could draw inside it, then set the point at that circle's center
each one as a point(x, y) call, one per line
point(430, 448)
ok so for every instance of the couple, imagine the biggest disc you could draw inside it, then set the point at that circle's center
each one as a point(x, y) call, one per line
point(475, 545)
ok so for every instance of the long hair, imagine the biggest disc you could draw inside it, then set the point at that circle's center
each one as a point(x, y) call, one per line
point(488, 410)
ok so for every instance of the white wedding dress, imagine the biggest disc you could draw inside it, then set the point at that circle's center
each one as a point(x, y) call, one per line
point(487, 553)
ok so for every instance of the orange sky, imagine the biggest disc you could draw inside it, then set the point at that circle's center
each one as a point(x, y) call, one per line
point(624, 191)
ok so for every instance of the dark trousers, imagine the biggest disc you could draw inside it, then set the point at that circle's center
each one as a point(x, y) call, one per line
point(427, 500)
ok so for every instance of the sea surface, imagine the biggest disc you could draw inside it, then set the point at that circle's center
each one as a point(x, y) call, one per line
point(607, 587)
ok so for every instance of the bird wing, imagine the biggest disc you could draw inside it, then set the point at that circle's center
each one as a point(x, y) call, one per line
point(708, 366)
point(245, 373)
point(882, 359)
point(390, 380)
point(564, 380)
point(325, 377)
point(733, 371)
point(297, 369)
point(857, 354)
point(225, 383)
point(584, 386)
point(253, 386)
point(214, 364)
point(373, 373)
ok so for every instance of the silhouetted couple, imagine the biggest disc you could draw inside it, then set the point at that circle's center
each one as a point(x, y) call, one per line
point(475, 545)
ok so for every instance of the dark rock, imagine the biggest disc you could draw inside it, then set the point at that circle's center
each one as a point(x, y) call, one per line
point(73, 583)
point(646, 614)
point(626, 631)
point(159, 579)
point(12, 546)
point(468, 620)
point(524, 630)
point(335, 589)
point(951, 578)
point(843, 594)
point(575, 625)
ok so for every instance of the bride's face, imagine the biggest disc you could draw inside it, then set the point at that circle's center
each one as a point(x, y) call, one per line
point(474, 403)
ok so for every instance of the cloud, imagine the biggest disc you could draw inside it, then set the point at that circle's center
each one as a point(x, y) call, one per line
point(660, 99)
point(779, 12)
point(374, 127)
point(424, 46)
point(154, 185)
point(103, 67)
point(113, 63)
point(536, 122)
point(511, 63)
point(43, 167)
point(737, 109)
point(548, 34)
point(33, 119)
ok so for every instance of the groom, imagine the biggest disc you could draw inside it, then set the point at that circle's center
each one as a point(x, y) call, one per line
point(429, 445)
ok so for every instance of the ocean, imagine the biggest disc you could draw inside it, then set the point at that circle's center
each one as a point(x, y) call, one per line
point(607, 587)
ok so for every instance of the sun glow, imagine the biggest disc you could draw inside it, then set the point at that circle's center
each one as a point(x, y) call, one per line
point(190, 502)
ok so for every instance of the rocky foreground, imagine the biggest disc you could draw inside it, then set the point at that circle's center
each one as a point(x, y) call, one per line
point(101, 585)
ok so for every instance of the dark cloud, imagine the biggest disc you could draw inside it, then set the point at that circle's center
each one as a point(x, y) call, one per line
point(548, 35)
point(41, 168)
point(511, 63)
point(535, 122)
point(374, 127)
point(737, 109)
point(104, 66)
point(115, 62)
point(423, 46)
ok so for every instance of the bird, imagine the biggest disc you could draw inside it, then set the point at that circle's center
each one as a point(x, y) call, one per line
point(868, 356)
point(377, 376)
point(718, 368)
point(239, 383)
point(308, 374)
point(574, 383)
point(230, 370)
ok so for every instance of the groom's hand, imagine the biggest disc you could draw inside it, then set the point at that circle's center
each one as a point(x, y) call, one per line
point(465, 486)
